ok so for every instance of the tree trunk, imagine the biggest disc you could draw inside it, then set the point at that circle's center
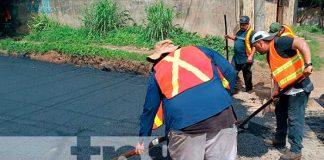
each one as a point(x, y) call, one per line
point(259, 8)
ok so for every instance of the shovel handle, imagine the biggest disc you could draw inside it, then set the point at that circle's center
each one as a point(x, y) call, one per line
point(241, 124)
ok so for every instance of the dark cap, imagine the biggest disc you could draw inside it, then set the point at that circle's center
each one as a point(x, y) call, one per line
point(274, 28)
point(244, 19)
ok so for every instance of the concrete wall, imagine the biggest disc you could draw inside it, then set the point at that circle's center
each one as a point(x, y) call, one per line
point(68, 12)
point(201, 16)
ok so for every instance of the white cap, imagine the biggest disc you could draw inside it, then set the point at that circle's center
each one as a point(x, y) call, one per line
point(261, 35)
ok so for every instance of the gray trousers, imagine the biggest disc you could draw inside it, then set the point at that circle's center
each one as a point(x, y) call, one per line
point(209, 146)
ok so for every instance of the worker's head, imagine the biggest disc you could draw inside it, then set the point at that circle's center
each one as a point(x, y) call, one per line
point(161, 48)
point(244, 22)
point(261, 41)
point(276, 29)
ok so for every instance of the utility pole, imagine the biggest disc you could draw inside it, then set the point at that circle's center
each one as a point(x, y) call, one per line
point(259, 9)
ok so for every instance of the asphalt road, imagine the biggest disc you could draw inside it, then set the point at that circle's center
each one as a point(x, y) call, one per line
point(44, 99)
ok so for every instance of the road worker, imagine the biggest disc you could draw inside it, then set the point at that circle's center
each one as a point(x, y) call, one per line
point(243, 51)
point(197, 110)
point(290, 63)
point(279, 30)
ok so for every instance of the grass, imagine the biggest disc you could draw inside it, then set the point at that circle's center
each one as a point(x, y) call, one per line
point(128, 36)
point(77, 42)
point(315, 50)
point(303, 31)
point(73, 49)
point(41, 21)
point(309, 29)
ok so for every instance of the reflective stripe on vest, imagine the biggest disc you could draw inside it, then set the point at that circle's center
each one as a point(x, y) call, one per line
point(247, 42)
point(223, 79)
point(158, 120)
point(285, 71)
point(287, 32)
point(181, 70)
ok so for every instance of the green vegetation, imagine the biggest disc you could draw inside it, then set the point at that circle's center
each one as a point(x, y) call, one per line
point(309, 29)
point(315, 49)
point(40, 22)
point(159, 18)
point(73, 49)
point(103, 16)
point(77, 42)
point(303, 31)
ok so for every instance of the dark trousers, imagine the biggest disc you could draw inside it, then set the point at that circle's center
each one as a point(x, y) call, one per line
point(247, 74)
point(290, 115)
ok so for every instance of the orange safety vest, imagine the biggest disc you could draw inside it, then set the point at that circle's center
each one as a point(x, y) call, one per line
point(158, 120)
point(285, 71)
point(182, 70)
point(287, 32)
point(247, 42)
point(174, 71)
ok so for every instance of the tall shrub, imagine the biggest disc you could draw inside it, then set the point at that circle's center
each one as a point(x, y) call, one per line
point(40, 22)
point(159, 21)
point(103, 16)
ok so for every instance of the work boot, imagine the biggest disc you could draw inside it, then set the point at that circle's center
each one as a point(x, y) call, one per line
point(289, 155)
point(272, 142)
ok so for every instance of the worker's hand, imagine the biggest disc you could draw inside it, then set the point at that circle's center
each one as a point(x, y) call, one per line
point(308, 71)
point(226, 36)
point(274, 94)
point(250, 59)
point(140, 148)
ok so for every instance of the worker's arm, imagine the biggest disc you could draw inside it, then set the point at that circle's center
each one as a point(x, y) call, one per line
point(224, 66)
point(303, 47)
point(150, 108)
point(250, 57)
point(276, 89)
point(232, 37)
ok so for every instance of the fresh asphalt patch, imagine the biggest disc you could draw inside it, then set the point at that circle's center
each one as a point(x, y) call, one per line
point(45, 99)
